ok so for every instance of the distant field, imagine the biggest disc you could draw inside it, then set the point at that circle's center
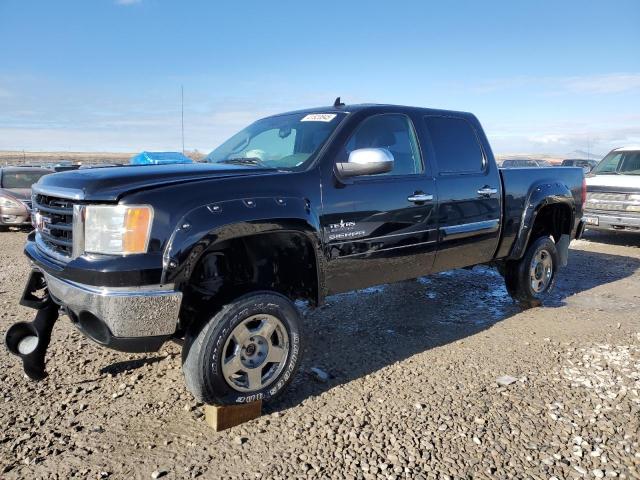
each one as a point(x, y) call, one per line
point(21, 158)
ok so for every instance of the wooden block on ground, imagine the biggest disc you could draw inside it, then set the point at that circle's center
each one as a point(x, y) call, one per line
point(221, 417)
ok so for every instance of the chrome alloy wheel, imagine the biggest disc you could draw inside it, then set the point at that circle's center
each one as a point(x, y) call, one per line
point(541, 271)
point(255, 353)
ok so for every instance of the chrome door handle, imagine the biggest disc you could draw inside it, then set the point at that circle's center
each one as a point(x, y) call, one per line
point(420, 197)
point(487, 191)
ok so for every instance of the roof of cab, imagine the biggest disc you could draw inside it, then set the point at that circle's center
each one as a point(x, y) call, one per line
point(627, 149)
point(351, 108)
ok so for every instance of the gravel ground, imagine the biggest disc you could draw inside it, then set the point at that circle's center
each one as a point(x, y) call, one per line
point(412, 390)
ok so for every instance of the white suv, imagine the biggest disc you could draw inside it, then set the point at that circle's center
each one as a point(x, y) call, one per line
point(613, 192)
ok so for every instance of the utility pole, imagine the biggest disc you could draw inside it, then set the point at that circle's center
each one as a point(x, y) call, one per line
point(182, 114)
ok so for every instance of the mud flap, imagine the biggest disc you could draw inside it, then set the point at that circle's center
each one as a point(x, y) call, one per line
point(563, 249)
point(30, 340)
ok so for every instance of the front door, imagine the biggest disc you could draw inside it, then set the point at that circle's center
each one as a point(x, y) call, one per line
point(380, 228)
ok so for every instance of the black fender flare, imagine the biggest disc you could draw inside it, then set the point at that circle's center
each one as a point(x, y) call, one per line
point(200, 229)
point(539, 196)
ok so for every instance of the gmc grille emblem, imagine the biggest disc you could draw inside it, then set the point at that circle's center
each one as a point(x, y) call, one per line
point(41, 223)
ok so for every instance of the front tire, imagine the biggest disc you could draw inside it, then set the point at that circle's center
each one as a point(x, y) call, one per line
point(531, 278)
point(250, 350)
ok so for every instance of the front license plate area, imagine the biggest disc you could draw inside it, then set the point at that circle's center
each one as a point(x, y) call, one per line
point(592, 221)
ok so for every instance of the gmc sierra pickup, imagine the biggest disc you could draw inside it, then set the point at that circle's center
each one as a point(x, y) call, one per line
point(296, 206)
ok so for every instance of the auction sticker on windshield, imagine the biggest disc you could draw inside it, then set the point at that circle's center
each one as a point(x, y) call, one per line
point(319, 117)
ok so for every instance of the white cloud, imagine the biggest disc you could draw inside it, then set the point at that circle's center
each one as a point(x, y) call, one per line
point(564, 140)
point(606, 83)
point(127, 131)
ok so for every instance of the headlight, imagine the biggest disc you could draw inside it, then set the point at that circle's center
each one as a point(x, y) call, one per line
point(118, 229)
point(8, 202)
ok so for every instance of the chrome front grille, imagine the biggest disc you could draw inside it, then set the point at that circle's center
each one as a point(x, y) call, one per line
point(53, 220)
point(609, 201)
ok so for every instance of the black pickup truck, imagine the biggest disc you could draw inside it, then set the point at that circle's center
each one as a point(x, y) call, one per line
point(296, 206)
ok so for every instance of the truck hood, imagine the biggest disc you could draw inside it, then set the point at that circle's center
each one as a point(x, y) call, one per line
point(109, 184)
point(614, 183)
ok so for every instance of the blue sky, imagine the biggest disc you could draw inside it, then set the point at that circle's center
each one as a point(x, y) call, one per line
point(104, 75)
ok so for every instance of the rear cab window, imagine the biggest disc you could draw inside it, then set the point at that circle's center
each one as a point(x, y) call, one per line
point(456, 145)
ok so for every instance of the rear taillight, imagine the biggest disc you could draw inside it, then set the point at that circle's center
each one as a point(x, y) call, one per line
point(584, 191)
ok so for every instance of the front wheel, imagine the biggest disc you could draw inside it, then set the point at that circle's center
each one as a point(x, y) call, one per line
point(529, 279)
point(249, 350)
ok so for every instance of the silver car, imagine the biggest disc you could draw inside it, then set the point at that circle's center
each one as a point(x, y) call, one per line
point(15, 194)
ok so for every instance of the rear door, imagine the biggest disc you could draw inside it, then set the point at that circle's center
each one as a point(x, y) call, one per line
point(380, 228)
point(469, 192)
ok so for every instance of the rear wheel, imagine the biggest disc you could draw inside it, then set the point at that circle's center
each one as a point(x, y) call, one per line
point(529, 279)
point(249, 350)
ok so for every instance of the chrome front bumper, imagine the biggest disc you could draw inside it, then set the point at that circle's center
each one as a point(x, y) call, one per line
point(608, 221)
point(149, 311)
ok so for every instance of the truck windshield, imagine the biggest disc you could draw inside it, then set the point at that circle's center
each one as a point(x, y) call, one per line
point(619, 163)
point(287, 141)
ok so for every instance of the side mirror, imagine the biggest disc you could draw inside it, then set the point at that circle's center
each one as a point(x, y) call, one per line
point(366, 161)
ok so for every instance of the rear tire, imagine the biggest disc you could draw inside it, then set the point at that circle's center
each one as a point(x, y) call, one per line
point(250, 350)
point(531, 278)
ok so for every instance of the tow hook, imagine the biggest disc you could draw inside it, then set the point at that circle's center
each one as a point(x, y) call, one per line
point(30, 340)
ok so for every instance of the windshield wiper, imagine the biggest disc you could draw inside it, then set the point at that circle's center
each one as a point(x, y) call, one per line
point(244, 161)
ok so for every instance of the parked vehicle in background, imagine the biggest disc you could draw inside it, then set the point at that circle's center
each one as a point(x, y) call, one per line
point(61, 166)
point(613, 192)
point(586, 165)
point(525, 163)
point(296, 206)
point(15, 194)
point(99, 165)
point(65, 167)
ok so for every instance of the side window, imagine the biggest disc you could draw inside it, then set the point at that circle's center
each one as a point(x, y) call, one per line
point(455, 144)
point(393, 132)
